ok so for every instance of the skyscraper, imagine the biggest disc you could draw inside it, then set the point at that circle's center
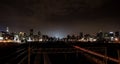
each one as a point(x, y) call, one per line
point(7, 29)
point(81, 34)
point(31, 32)
point(117, 34)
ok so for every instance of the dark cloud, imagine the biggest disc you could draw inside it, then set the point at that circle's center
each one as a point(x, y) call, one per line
point(64, 15)
point(61, 8)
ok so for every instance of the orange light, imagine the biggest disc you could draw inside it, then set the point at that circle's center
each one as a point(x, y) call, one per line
point(116, 39)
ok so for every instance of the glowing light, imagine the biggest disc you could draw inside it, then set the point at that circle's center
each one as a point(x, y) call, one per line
point(91, 39)
point(29, 39)
point(1, 38)
point(111, 32)
point(6, 38)
point(58, 35)
point(6, 41)
point(40, 39)
point(86, 40)
point(83, 40)
point(116, 39)
point(94, 40)
point(111, 38)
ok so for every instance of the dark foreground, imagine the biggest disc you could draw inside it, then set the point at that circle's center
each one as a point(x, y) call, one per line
point(56, 53)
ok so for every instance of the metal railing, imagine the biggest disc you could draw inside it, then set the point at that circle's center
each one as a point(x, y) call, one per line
point(98, 54)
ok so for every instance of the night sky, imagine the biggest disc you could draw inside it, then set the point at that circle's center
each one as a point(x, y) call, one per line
point(60, 17)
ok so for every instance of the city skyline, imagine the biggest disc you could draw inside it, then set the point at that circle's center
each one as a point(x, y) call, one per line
point(64, 17)
point(55, 33)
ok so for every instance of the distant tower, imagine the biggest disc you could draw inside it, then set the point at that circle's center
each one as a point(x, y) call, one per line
point(31, 32)
point(39, 33)
point(81, 34)
point(117, 34)
point(7, 29)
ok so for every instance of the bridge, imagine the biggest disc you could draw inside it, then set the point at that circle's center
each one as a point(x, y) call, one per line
point(67, 52)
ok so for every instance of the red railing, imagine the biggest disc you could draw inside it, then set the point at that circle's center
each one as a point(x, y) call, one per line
point(96, 54)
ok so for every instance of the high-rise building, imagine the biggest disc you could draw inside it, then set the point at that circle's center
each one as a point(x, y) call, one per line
point(39, 33)
point(100, 35)
point(7, 29)
point(81, 34)
point(106, 34)
point(117, 34)
point(111, 34)
point(31, 32)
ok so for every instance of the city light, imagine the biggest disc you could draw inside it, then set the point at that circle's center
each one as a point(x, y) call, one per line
point(6, 41)
point(111, 32)
point(58, 35)
point(41, 40)
point(22, 37)
point(59, 31)
point(1, 38)
point(29, 39)
point(116, 39)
